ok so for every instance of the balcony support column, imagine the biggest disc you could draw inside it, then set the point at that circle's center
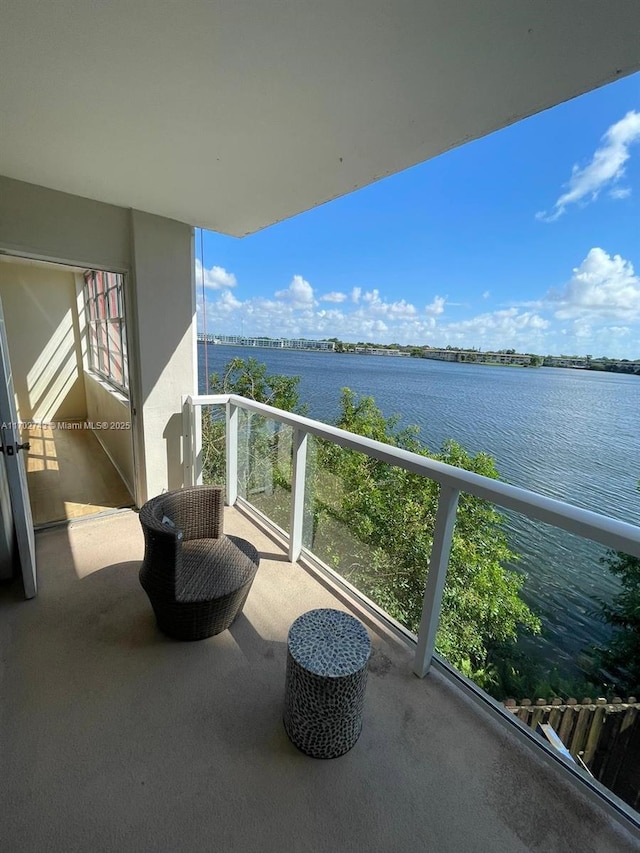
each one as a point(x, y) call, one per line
point(232, 454)
point(298, 481)
point(438, 564)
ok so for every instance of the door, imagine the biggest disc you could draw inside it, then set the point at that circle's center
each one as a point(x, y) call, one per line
point(16, 473)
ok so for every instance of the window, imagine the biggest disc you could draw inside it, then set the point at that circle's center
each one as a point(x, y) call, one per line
point(106, 339)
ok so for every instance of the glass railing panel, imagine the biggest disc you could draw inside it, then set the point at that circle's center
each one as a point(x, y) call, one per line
point(529, 612)
point(372, 523)
point(265, 466)
point(550, 626)
point(213, 445)
point(540, 619)
point(568, 584)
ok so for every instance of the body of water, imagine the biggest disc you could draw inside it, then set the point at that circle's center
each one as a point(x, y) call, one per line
point(569, 434)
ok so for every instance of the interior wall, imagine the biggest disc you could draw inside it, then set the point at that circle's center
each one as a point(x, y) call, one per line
point(106, 406)
point(41, 319)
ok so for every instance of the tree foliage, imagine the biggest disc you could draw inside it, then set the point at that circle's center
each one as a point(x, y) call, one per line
point(250, 379)
point(621, 658)
point(374, 522)
point(247, 378)
point(393, 511)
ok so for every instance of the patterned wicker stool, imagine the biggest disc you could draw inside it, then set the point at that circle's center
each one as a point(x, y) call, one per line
point(327, 659)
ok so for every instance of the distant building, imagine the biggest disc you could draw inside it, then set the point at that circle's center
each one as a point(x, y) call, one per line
point(474, 357)
point(268, 343)
point(379, 351)
point(566, 361)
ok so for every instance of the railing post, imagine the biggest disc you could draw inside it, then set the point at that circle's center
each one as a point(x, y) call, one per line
point(232, 453)
point(438, 563)
point(298, 481)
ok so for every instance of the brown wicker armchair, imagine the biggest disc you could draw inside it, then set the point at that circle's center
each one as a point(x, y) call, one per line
point(197, 579)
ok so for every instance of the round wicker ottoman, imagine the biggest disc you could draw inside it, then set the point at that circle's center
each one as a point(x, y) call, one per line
point(327, 659)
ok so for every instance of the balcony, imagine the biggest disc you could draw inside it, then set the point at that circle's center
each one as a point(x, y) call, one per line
point(116, 738)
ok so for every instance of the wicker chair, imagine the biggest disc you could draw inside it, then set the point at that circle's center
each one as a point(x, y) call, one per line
point(197, 579)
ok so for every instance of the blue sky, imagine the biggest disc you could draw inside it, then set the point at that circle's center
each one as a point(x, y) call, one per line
point(528, 238)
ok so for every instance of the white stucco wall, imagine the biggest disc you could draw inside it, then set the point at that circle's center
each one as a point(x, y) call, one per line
point(39, 305)
point(50, 225)
point(163, 365)
point(156, 256)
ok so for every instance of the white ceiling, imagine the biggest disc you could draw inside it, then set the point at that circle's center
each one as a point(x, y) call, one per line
point(234, 114)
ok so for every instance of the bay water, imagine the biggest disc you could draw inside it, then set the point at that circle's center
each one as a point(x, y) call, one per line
point(570, 434)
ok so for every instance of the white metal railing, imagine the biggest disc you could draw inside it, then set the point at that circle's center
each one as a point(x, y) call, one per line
point(603, 529)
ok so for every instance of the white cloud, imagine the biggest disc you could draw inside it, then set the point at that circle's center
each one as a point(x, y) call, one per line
point(496, 329)
point(401, 308)
point(602, 287)
point(582, 329)
point(334, 314)
point(215, 278)
point(606, 167)
point(436, 306)
point(486, 294)
point(228, 302)
point(355, 294)
point(597, 310)
point(334, 296)
point(613, 341)
point(620, 192)
point(373, 304)
point(299, 293)
point(294, 312)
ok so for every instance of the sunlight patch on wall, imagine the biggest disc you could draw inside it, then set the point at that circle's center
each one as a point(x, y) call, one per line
point(54, 372)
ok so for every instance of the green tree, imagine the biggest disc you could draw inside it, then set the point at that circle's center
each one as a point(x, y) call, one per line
point(340, 347)
point(374, 522)
point(247, 378)
point(392, 512)
point(620, 660)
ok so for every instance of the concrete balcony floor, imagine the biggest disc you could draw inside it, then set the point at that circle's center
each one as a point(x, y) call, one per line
point(115, 738)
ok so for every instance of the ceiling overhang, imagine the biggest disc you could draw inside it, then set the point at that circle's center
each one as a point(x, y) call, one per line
point(235, 114)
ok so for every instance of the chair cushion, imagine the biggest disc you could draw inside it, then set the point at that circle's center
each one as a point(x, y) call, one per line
point(212, 568)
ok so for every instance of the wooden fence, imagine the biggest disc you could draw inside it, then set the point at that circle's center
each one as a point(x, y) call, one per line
point(605, 735)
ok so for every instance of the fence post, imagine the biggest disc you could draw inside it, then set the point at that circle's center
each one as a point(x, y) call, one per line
point(438, 563)
point(232, 453)
point(298, 481)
